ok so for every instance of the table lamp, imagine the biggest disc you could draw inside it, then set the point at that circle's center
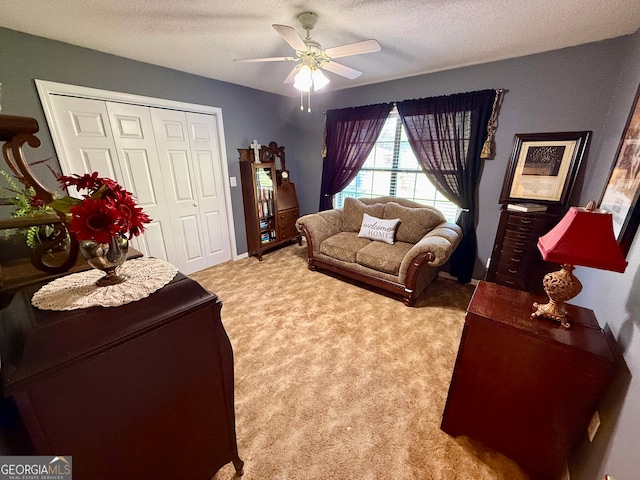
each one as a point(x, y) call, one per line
point(583, 237)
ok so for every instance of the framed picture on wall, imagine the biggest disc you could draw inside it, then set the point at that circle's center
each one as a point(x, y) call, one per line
point(543, 167)
point(620, 196)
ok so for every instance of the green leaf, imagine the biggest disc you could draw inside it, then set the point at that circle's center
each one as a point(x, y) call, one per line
point(64, 204)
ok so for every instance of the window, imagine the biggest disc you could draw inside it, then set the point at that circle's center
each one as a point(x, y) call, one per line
point(391, 169)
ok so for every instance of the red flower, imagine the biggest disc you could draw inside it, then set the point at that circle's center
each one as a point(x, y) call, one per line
point(131, 216)
point(88, 181)
point(107, 209)
point(94, 219)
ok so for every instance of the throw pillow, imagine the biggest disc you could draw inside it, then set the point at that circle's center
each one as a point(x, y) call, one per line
point(378, 229)
point(415, 223)
point(353, 211)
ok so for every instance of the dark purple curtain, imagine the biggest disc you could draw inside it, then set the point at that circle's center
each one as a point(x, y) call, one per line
point(447, 134)
point(351, 133)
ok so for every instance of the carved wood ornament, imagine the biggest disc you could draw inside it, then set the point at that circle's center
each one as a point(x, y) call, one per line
point(16, 132)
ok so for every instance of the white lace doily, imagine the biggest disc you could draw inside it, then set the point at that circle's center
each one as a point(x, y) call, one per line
point(78, 290)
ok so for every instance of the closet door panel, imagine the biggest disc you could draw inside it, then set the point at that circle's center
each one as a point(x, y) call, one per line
point(97, 160)
point(135, 143)
point(86, 136)
point(176, 165)
point(205, 147)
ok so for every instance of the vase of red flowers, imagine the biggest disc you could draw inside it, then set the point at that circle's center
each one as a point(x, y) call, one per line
point(106, 256)
point(102, 221)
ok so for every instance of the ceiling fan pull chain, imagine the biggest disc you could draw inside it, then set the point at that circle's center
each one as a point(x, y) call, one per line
point(301, 104)
point(309, 101)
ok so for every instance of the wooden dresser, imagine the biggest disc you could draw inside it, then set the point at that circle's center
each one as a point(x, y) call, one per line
point(144, 390)
point(515, 259)
point(525, 387)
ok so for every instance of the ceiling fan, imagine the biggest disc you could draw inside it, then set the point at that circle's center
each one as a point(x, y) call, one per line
point(312, 59)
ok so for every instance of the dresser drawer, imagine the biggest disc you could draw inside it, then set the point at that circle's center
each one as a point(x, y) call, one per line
point(518, 248)
point(529, 223)
point(286, 220)
point(516, 269)
point(528, 241)
point(515, 260)
point(511, 281)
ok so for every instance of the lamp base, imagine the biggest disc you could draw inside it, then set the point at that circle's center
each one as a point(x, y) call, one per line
point(560, 286)
point(552, 311)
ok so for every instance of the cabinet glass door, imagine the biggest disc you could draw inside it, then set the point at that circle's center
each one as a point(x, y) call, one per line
point(265, 195)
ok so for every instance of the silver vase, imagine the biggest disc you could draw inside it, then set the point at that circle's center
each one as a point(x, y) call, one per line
point(107, 257)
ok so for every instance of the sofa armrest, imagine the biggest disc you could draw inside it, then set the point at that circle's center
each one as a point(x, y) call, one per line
point(439, 243)
point(317, 227)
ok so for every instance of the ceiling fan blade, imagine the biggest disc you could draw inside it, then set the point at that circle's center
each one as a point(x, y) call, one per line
point(290, 78)
point(358, 48)
point(266, 59)
point(342, 70)
point(290, 36)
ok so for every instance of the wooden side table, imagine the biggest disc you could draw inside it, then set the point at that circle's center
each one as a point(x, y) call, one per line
point(527, 388)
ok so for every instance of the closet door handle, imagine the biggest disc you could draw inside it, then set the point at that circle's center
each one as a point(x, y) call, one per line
point(195, 204)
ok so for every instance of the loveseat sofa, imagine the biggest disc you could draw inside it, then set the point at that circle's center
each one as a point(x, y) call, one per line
point(391, 243)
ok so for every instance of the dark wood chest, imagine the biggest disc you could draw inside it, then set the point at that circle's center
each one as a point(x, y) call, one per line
point(515, 259)
point(526, 387)
point(144, 390)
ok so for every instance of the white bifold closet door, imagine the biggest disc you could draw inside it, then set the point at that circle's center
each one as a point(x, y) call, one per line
point(169, 159)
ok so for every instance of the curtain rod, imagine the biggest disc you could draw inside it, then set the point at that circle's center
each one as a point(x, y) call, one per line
point(499, 90)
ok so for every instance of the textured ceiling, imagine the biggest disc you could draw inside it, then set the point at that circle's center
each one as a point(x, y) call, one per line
point(417, 36)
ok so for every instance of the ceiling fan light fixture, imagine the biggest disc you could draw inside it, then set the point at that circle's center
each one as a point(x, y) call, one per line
point(320, 80)
point(303, 79)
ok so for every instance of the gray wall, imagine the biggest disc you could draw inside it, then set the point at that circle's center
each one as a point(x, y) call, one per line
point(247, 113)
point(615, 299)
point(589, 87)
point(564, 90)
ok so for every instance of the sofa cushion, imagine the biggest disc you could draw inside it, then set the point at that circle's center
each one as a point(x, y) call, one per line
point(415, 223)
point(375, 228)
point(383, 256)
point(343, 246)
point(354, 210)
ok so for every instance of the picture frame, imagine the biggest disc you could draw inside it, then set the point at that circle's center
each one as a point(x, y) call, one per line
point(620, 195)
point(543, 167)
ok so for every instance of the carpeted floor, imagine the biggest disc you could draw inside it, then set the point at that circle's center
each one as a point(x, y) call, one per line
point(334, 381)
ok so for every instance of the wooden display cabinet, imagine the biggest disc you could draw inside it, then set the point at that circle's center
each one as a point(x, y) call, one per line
point(270, 200)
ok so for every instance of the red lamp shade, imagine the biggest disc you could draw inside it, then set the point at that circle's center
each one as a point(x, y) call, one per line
point(583, 237)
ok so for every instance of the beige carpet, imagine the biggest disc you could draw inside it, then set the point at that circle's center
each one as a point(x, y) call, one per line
point(334, 381)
